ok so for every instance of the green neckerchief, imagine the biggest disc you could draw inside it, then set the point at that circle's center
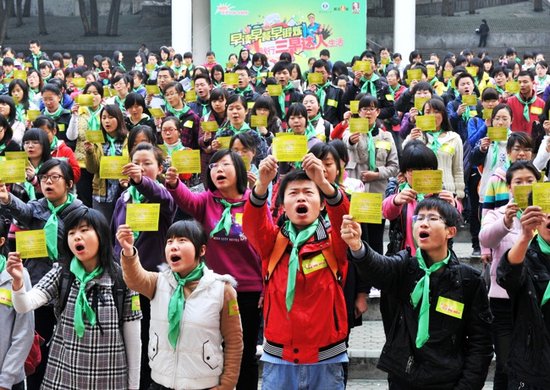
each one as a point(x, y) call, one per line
point(297, 238)
point(93, 120)
point(526, 105)
point(2, 147)
point(422, 291)
point(433, 81)
point(121, 65)
point(54, 144)
point(371, 148)
point(81, 305)
point(111, 141)
point(406, 186)
point(288, 87)
point(2, 263)
point(120, 103)
point(32, 93)
point(173, 148)
point(217, 84)
point(242, 91)
point(20, 112)
point(494, 150)
point(177, 112)
point(177, 303)
point(499, 90)
point(36, 60)
point(545, 249)
point(137, 198)
point(29, 188)
point(225, 220)
point(51, 226)
point(394, 90)
point(322, 94)
point(313, 121)
point(257, 69)
point(233, 129)
point(205, 109)
point(436, 145)
point(368, 85)
point(54, 115)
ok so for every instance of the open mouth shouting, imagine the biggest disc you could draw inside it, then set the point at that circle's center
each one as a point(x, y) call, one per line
point(174, 259)
point(79, 248)
point(423, 235)
point(301, 210)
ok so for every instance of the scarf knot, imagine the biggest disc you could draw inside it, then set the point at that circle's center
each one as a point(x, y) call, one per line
point(82, 307)
point(225, 221)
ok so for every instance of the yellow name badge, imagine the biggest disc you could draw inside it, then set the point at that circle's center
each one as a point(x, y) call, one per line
point(431, 71)
point(239, 218)
point(187, 161)
point(414, 74)
point(274, 89)
point(290, 148)
point(231, 78)
point(427, 181)
point(31, 244)
point(470, 100)
point(224, 142)
point(110, 167)
point(157, 112)
point(354, 106)
point(472, 70)
point(250, 105)
point(190, 96)
point(258, 120)
point(152, 89)
point(315, 78)
point(447, 74)
point(188, 124)
point(16, 155)
point(95, 136)
point(426, 122)
point(359, 125)
point(362, 66)
point(209, 127)
point(541, 196)
point(448, 149)
point(487, 113)
point(79, 82)
point(5, 297)
point(233, 307)
point(536, 110)
point(13, 171)
point(20, 74)
point(449, 307)
point(314, 264)
point(85, 100)
point(136, 304)
point(512, 87)
point(389, 97)
point(61, 126)
point(419, 102)
point(366, 207)
point(332, 103)
point(143, 217)
point(383, 145)
point(33, 114)
point(521, 195)
point(497, 133)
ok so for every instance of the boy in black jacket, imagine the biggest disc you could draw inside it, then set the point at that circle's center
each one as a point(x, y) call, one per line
point(440, 334)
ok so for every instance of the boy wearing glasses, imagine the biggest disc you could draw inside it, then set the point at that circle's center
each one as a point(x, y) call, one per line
point(440, 334)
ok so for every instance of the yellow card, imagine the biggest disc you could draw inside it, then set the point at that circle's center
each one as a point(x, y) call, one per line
point(233, 306)
point(16, 155)
point(290, 148)
point(449, 307)
point(27, 64)
point(274, 90)
point(61, 126)
point(85, 100)
point(354, 106)
point(359, 125)
point(20, 74)
point(143, 217)
point(362, 66)
point(5, 297)
point(224, 142)
point(250, 105)
point(13, 171)
point(152, 89)
point(191, 96)
point(315, 78)
point(487, 113)
point(497, 133)
point(229, 65)
point(209, 126)
point(541, 196)
point(385, 61)
point(366, 207)
point(187, 161)
point(536, 110)
point(521, 195)
point(108, 92)
point(110, 167)
point(157, 112)
point(470, 100)
point(79, 82)
point(447, 74)
point(95, 136)
point(33, 114)
point(431, 71)
point(316, 263)
point(247, 163)
point(427, 181)
point(31, 243)
point(472, 70)
point(414, 74)
point(150, 67)
point(258, 120)
point(426, 122)
point(231, 78)
point(136, 304)
point(383, 145)
point(419, 102)
point(512, 87)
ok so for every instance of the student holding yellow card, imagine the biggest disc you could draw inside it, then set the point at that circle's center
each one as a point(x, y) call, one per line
point(243, 86)
point(19, 91)
point(329, 95)
point(7, 144)
point(106, 191)
point(37, 147)
point(9, 111)
point(323, 128)
point(281, 70)
point(52, 96)
point(465, 106)
point(170, 130)
point(175, 106)
point(34, 81)
point(525, 104)
point(420, 91)
point(123, 85)
point(264, 106)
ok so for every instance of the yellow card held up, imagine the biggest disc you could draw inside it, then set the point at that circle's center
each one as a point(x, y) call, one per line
point(85, 100)
point(187, 161)
point(20, 74)
point(152, 89)
point(315, 78)
point(497, 133)
point(521, 195)
point(290, 148)
point(33, 114)
point(366, 207)
point(157, 112)
point(447, 74)
point(472, 70)
point(385, 61)
point(229, 65)
point(31, 244)
point(541, 196)
point(224, 142)
point(419, 102)
point(191, 96)
point(150, 67)
point(487, 113)
point(274, 89)
point(470, 100)
point(231, 78)
point(431, 71)
point(427, 181)
point(426, 122)
point(95, 136)
point(143, 217)
point(110, 167)
point(354, 106)
point(359, 125)
point(414, 74)
point(512, 87)
point(79, 82)
point(16, 155)
point(246, 161)
point(108, 92)
point(362, 66)
point(13, 171)
point(209, 126)
point(258, 120)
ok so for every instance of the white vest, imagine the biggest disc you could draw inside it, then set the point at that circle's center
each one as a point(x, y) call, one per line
point(197, 361)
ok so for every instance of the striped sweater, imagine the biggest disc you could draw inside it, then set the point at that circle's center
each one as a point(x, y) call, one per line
point(497, 193)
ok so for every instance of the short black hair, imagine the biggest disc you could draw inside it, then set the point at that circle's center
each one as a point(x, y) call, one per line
point(449, 213)
point(322, 150)
point(35, 134)
point(528, 73)
point(63, 165)
point(422, 86)
point(190, 229)
point(296, 109)
point(501, 106)
point(489, 94)
point(464, 75)
point(240, 170)
point(417, 156)
point(321, 64)
point(520, 137)
point(518, 165)
point(280, 66)
point(140, 129)
point(368, 101)
point(98, 86)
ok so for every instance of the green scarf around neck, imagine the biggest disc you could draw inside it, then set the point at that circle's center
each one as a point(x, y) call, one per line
point(545, 249)
point(2, 263)
point(225, 220)
point(371, 148)
point(93, 120)
point(322, 94)
point(51, 226)
point(368, 85)
point(281, 99)
point(81, 306)
point(526, 104)
point(54, 115)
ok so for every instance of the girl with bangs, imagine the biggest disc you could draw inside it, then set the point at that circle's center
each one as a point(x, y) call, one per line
point(138, 113)
point(264, 106)
point(217, 113)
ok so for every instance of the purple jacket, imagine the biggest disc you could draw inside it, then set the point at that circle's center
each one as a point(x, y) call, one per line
point(150, 245)
point(232, 254)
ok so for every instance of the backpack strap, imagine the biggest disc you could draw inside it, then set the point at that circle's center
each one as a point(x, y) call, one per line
point(65, 283)
point(119, 290)
point(327, 130)
point(279, 249)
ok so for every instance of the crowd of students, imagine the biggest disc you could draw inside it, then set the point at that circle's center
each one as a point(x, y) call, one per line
point(253, 250)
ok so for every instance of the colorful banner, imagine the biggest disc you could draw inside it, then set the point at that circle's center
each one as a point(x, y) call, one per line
point(302, 28)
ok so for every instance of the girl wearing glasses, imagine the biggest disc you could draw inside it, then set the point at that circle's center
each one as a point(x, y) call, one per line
point(176, 106)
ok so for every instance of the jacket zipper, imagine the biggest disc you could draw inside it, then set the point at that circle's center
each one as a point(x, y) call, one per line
point(410, 362)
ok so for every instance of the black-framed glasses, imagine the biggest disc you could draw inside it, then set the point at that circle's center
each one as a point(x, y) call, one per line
point(53, 177)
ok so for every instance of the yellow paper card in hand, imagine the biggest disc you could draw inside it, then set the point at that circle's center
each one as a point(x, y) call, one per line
point(191, 96)
point(95, 136)
point(290, 148)
point(470, 100)
point(150, 67)
point(16, 155)
point(20, 74)
point(79, 82)
point(143, 217)
point(487, 113)
point(110, 167)
point(366, 207)
point(108, 92)
point(414, 74)
point(258, 120)
point(427, 181)
point(224, 142)
point(472, 70)
point(447, 74)
point(497, 133)
point(210, 126)
point(231, 78)
point(431, 72)
point(512, 87)
point(274, 90)
point(85, 100)
point(31, 244)
point(541, 196)
point(33, 114)
point(362, 66)
point(426, 122)
point(246, 161)
point(354, 106)
point(521, 195)
point(157, 112)
point(13, 171)
point(187, 161)
point(359, 125)
point(152, 89)
point(385, 61)
point(315, 78)
point(419, 102)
